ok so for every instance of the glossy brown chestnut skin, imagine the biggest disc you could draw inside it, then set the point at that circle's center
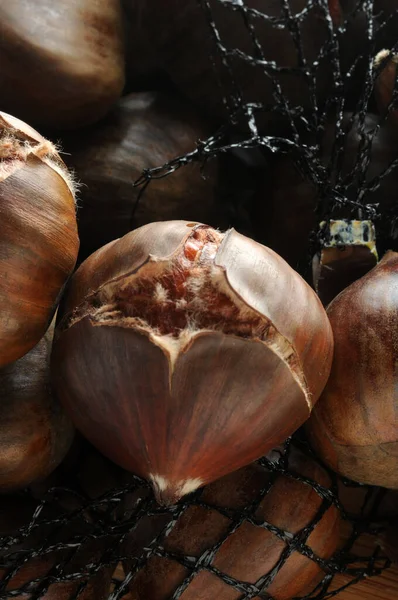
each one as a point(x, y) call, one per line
point(38, 239)
point(35, 433)
point(185, 44)
point(354, 428)
point(61, 63)
point(184, 337)
point(251, 552)
point(143, 131)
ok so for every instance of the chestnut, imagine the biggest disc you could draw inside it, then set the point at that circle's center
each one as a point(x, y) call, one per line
point(175, 340)
point(35, 433)
point(61, 63)
point(143, 131)
point(349, 252)
point(354, 427)
point(38, 239)
point(255, 551)
point(244, 71)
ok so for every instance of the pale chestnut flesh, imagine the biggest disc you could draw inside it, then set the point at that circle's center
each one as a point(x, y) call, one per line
point(185, 353)
point(354, 427)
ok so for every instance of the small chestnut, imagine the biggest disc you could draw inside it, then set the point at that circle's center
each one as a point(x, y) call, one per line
point(61, 63)
point(354, 428)
point(38, 238)
point(185, 353)
point(143, 131)
point(248, 553)
point(35, 433)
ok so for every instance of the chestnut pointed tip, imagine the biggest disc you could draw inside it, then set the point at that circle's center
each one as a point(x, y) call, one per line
point(167, 493)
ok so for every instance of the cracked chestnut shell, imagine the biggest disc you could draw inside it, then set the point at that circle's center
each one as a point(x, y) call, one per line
point(354, 428)
point(249, 553)
point(38, 237)
point(35, 433)
point(61, 63)
point(185, 353)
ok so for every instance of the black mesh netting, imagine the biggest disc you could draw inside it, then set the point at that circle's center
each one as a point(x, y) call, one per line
point(94, 531)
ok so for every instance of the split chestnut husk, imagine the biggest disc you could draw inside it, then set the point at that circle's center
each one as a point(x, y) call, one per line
point(61, 63)
point(38, 238)
point(354, 428)
point(143, 131)
point(185, 353)
point(250, 552)
point(35, 433)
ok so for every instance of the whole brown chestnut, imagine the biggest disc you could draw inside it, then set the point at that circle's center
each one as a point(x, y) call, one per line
point(252, 552)
point(61, 63)
point(354, 427)
point(185, 353)
point(38, 239)
point(258, 46)
point(35, 433)
point(144, 130)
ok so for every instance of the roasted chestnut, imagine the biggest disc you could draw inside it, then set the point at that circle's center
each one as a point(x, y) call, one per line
point(176, 340)
point(38, 239)
point(35, 433)
point(257, 551)
point(61, 63)
point(354, 428)
point(144, 130)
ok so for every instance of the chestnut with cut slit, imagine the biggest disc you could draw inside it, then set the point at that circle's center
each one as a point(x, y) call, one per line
point(38, 237)
point(185, 353)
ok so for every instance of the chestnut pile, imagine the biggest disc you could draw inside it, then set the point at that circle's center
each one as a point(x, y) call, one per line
point(145, 319)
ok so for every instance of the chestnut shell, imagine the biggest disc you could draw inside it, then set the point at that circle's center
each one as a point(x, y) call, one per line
point(38, 238)
point(354, 428)
point(178, 417)
point(35, 433)
point(61, 63)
